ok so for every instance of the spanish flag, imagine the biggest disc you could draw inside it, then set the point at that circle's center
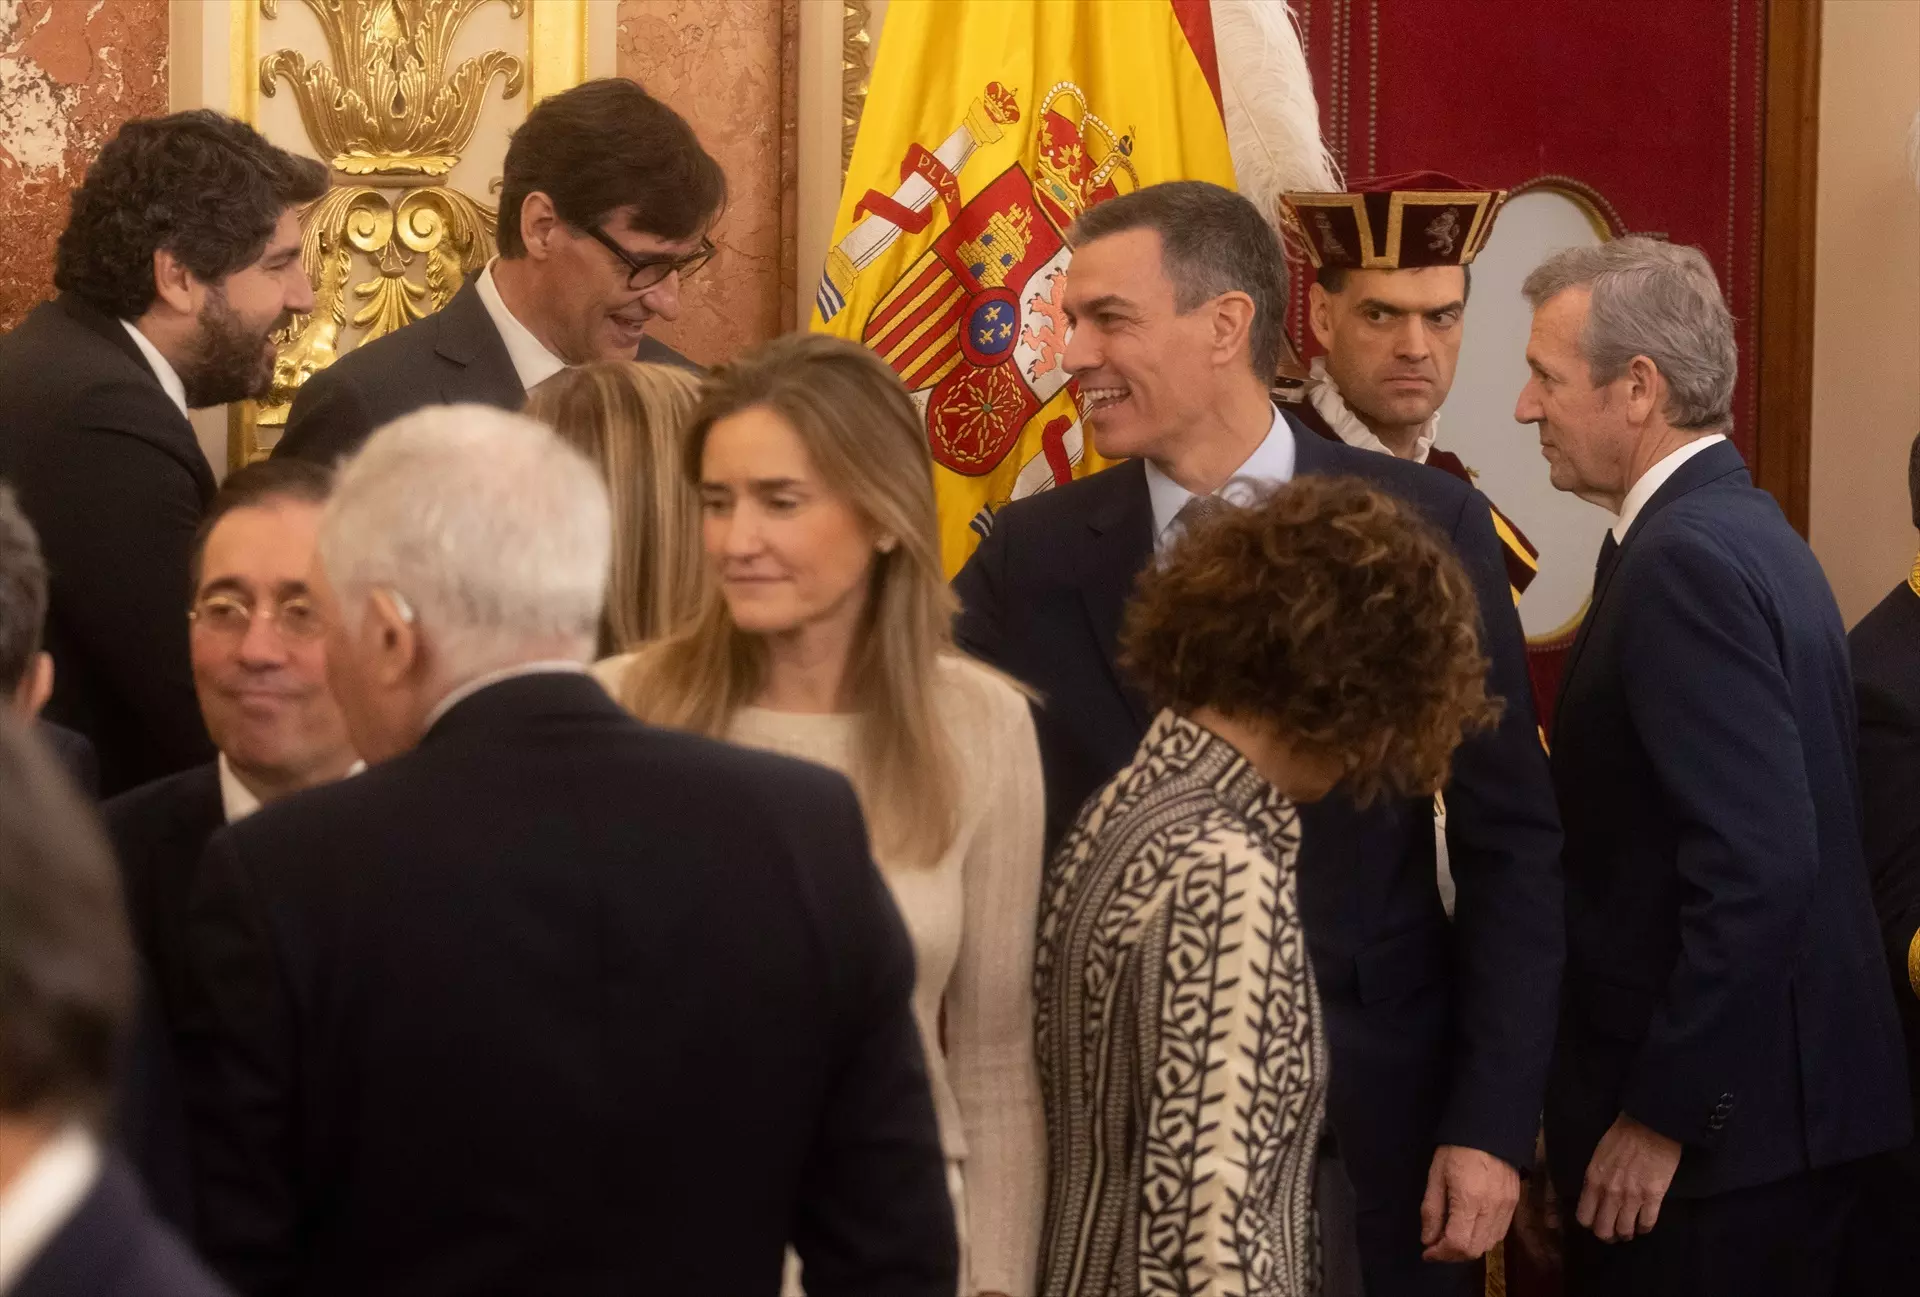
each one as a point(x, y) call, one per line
point(989, 126)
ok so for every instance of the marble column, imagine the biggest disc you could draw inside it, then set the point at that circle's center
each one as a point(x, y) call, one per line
point(728, 67)
point(71, 71)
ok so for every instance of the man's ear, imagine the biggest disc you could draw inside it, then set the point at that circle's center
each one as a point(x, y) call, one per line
point(393, 636)
point(174, 285)
point(36, 686)
point(1320, 315)
point(1232, 322)
point(539, 222)
point(1645, 390)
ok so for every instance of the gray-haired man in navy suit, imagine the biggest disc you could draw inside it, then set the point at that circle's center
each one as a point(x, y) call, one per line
point(1728, 1045)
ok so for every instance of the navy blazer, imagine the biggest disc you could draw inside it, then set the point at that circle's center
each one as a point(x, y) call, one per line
point(112, 1246)
point(559, 1003)
point(453, 355)
point(1725, 983)
point(1886, 679)
point(1439, 1033)
point(114, 481)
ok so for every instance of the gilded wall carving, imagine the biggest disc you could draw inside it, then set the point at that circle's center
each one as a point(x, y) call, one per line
point(391, 241)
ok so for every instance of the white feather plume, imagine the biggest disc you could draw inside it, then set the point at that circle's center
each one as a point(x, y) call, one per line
point(1266, 94)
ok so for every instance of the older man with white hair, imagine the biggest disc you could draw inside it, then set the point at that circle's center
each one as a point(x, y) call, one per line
point(1728, 1048)
point(546, 1001)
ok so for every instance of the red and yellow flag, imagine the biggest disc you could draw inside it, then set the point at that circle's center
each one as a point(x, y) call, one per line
point(989, 126)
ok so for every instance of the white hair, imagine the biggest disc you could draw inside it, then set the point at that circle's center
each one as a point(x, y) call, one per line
point(1654, 299)
point(494, 532)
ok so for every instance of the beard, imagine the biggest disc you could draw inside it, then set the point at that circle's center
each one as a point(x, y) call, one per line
point(230, 360)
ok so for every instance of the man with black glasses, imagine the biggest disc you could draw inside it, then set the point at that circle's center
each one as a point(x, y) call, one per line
point(605, 206)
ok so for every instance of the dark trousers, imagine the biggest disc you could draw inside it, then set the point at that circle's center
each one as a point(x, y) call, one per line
point(1883, 1238)
point(1773, 1240)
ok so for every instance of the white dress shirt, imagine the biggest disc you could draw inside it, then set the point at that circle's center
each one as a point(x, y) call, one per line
point(1324, 394)
point(1270, 465)
point(1653, 479)
point(43, 1197)
point(162, 368)
point(531, 359)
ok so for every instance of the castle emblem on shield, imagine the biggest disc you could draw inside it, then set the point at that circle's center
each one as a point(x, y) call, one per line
point(974, 327)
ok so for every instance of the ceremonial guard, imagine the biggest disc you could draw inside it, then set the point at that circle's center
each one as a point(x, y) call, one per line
point(1388, 306)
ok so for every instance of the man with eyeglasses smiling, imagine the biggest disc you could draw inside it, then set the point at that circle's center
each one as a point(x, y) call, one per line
point(607, 202)
point(260, 669)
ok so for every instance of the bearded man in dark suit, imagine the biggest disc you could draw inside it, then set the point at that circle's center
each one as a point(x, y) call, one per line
point(180, 260)
point(606, 202)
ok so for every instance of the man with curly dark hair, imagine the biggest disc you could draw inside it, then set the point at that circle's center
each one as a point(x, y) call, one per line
point(1440, 1029)
point(1326, 636)
point(180, 260)
point(606, 203)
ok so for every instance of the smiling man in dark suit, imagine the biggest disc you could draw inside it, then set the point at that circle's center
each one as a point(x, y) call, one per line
point(1439, 1033)
point(179, 261)
point(1728, 1047)
point(605, 204)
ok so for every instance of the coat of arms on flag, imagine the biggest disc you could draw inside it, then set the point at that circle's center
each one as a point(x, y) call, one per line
point(990, 126)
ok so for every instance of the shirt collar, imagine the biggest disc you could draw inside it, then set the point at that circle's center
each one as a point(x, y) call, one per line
point(43, 1197)
point(1324, 393)
point(1653, 479)
point(551, 666)
point(531, 360)
point(162, 369)
point(1270, 465)
point(238, 801)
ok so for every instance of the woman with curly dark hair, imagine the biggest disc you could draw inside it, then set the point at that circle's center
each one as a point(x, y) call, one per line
point(1324, 637)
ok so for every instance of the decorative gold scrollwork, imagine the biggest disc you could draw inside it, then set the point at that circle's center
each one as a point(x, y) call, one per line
point(387, 116)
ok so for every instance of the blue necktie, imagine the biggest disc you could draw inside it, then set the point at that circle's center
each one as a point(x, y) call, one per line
point(1609, 555)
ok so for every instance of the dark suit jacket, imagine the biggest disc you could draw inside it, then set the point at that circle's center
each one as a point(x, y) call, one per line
point(558, 1003)
point(1725, 977)
point(454, 355)
point(1439, 1033)
point(160, 832)
point(76, 756)
point(113, 1247)
point(109, 472)
point(1886, 682)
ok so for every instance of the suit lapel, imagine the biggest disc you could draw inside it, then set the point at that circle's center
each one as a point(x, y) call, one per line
point(1709, 466)
point(467, 337)
point(1118, 547)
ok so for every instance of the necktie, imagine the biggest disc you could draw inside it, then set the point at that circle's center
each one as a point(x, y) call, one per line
point(1609, 555)
point(1198, 511)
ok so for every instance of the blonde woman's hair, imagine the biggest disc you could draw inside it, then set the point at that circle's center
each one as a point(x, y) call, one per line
point(866, 439)
point(630, 419)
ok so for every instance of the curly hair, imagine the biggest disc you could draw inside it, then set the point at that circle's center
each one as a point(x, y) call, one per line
point(207, 188)
point(1331, 612)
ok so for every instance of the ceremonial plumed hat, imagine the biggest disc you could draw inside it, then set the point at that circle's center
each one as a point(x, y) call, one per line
point(1421, 218)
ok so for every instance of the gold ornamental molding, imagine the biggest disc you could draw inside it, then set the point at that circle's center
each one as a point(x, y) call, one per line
point(856, 71)
point(391, 114)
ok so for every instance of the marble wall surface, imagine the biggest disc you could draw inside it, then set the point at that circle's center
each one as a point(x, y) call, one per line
point(728, 67)
point(71, 71)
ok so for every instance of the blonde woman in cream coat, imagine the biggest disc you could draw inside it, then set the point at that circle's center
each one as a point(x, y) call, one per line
point(825, 635)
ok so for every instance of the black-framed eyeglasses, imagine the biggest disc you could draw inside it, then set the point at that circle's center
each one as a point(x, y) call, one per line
point(648, 271)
